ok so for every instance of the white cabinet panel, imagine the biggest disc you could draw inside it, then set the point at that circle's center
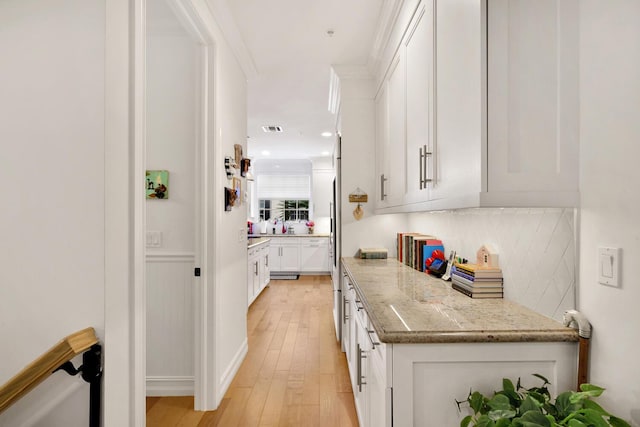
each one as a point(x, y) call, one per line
point(314, 255)
point(533, 95)
point(459, 92)
point(420, 95)
point(396, 131)
point(382, 148)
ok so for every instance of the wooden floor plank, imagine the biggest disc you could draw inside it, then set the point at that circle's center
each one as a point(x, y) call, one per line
point(294, 373)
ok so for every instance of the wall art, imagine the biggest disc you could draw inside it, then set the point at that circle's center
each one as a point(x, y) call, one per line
point(157, 182)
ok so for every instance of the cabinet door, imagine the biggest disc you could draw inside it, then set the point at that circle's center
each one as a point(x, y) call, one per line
point(361, 389)
point(395, 184)
point(290, 257)
point(274, 257)
point(419, 50)
point(459, 99)
point(382, 148)
point(314, 256)
point(266, 274)
point(379, 404)
point(533, 97)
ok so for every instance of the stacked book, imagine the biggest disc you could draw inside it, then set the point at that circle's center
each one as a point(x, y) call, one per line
point(476, 281)
point(414, 248)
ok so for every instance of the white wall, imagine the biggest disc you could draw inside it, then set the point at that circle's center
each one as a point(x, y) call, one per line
point(52, 218)
point(231, 274)
point(609, 175)
point(171, 135)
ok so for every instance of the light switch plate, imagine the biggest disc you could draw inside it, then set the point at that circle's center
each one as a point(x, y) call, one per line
point(609, 266)
point(154, 239)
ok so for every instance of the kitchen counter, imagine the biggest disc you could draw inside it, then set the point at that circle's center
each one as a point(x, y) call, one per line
point(407, 306)
point(252, 242)
point(251, 236)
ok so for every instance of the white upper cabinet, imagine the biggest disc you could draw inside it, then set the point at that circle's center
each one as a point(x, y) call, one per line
point(420, 141)
point(479, 106)
point(395, 181)
point(382, 149)
point(533, 95)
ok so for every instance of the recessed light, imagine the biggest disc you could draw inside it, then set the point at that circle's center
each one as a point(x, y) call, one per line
point(325, 153)
point(326, 134)
point(277, 166)
point(265, 153)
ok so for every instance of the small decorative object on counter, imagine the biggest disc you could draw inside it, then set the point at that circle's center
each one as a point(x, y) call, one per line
point(310, 225)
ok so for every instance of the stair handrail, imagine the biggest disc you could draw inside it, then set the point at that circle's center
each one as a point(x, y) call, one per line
point(56, 358)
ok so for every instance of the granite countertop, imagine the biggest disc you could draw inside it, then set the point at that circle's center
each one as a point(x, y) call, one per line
point(252, 242)
point(407, 306)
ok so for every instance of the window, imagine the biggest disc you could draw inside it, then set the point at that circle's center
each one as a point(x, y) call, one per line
point(289, 210)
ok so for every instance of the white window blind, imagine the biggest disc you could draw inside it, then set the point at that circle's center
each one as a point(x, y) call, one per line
point(284, 187)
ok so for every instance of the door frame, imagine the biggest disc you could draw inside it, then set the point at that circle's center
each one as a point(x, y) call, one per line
point(197, 20)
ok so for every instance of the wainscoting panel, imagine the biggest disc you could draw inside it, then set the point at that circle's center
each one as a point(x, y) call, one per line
point(170, 324)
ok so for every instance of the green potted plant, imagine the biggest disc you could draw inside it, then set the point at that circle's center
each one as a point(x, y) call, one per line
point(516, 406)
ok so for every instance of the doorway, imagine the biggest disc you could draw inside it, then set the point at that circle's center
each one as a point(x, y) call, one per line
point(177, 98)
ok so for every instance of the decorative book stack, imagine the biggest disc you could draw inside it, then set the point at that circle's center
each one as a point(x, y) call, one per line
point(477, 281)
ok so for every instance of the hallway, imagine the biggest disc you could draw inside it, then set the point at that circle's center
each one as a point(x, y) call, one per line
point(294, 373)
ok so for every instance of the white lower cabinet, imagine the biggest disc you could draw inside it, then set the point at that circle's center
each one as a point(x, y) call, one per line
point(300, 254)
point(406, 385)
point(367, 360)
point(314, 255)
point(258, 276)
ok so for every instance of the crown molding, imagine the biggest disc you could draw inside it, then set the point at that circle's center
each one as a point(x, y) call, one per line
point(227, 24)
point(386, 21)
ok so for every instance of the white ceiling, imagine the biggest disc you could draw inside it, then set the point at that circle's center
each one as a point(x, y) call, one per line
point(292, 52)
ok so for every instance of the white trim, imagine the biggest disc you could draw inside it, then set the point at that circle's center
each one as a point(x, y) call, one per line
point(123, 346)
point(170, 386)
point(170, 256)
point(139, 306)
point(388, 17)
point(232, 369)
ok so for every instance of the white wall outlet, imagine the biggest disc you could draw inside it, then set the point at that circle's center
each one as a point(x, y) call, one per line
point(154, 239)
point(242, 234)
point(609, 266)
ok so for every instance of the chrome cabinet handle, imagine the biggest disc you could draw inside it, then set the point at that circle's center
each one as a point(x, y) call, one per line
point(266, 261)
point(361, 356)
point(420, 163)
point(345, 316)
point(371, 339)
point(256, 268)
point(382, 181)
point(359, 307)
point(424, 160)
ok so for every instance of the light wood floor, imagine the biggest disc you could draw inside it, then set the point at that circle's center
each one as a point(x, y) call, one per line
point(294, 373)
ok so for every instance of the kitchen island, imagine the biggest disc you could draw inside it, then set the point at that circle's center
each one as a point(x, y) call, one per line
point(414, 345)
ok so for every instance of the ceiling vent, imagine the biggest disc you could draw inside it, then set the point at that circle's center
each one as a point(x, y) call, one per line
point(272, 128)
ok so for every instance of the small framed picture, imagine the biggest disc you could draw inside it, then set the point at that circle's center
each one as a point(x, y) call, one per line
point(237, 187)
point(157, 182)
point(244, 167)
point(238, 154)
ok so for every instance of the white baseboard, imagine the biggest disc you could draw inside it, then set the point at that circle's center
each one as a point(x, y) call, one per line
point(170, 386)
point(230, 372)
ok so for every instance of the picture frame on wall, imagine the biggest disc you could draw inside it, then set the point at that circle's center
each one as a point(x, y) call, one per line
point(237, 187)
point(157, 184)
point(237, 148)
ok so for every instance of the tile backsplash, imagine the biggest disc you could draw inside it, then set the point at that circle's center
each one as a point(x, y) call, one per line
point(536, 247)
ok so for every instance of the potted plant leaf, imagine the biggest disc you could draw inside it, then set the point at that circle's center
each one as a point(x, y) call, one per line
point(516, 406)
